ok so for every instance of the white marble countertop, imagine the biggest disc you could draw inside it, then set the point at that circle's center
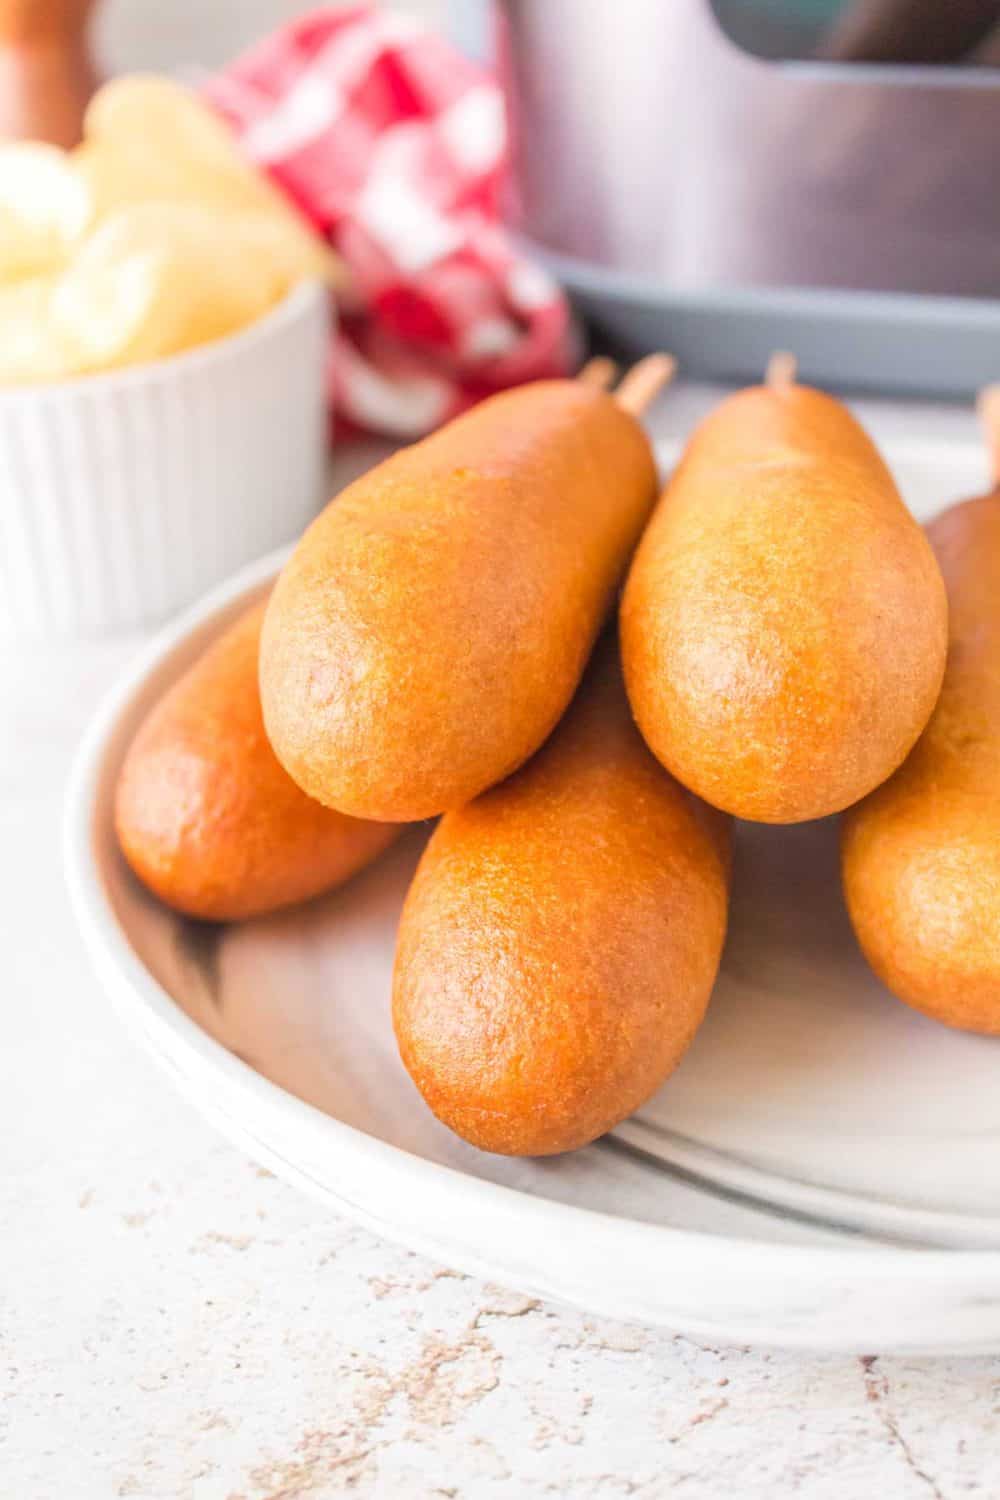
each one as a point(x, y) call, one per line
point(177, 1324)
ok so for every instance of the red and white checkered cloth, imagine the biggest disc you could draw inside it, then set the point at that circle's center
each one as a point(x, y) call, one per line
point(394, 145)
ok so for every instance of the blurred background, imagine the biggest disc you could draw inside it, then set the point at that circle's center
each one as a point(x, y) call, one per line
point(134, 34)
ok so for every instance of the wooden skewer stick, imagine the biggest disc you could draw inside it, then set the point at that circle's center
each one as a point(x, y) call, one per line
point(600, 373)
point(988, 407)
point(644, 382)
point(782, 370)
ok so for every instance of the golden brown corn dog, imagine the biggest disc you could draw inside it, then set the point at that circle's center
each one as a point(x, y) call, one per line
point(921, 855)
point(205, 815)
point(784, 622)
point(561, 937)
point(433, 623)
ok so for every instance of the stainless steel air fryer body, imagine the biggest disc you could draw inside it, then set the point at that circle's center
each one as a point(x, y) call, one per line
point(647, 143)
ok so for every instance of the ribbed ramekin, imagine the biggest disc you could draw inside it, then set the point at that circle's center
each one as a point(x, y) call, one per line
point(125, 495)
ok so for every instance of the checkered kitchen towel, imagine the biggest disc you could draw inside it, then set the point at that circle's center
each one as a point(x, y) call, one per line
point(394, 146)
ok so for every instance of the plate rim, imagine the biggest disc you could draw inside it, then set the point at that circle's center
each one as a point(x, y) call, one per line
point(164, 1027)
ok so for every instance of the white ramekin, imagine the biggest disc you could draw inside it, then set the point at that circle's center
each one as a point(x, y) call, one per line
point(125, 495)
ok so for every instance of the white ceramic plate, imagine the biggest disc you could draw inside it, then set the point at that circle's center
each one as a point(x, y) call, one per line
point(821, 1171)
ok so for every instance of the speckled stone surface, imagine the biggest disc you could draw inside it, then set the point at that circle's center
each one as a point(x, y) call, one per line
point(177, 1324)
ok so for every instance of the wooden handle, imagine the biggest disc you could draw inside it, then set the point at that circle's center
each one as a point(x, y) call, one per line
point(782, 370)
point(47, 73)
point(644, 382)
point(599, 373)
point(909, 31)
point(988, 407)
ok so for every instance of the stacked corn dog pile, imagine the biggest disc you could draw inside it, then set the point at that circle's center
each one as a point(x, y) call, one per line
point(790, 645)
